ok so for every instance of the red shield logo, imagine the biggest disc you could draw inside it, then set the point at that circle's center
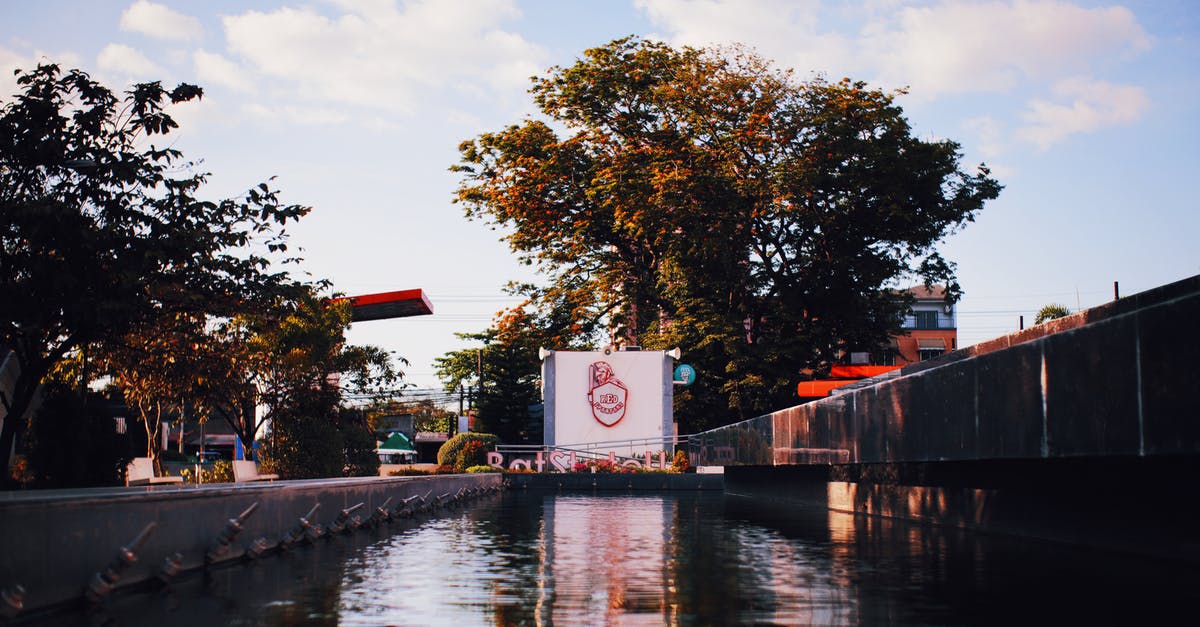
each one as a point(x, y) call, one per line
point(608, 402)
point(608, 397)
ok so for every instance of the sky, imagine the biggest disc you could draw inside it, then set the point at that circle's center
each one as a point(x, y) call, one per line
point(1087, 112)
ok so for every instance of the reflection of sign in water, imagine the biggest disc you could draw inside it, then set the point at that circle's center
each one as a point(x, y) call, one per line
point(608, 397)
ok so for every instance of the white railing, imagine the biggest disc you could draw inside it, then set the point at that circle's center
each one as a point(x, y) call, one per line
point(623, 450)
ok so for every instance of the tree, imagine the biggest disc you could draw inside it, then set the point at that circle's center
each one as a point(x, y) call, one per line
point(705, 199)
point(158, 369)
point(427, 416)
point(1051, 312)
point(301, 371)
point(511, 370)
point(102, 231)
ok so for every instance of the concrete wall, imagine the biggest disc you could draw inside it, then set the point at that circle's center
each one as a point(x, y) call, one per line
point(52, 542)
point(1119, 379)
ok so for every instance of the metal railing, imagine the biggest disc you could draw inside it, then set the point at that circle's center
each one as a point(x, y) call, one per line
point(599, 450)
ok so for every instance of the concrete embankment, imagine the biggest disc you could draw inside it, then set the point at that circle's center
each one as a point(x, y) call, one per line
point(1084, 429)
point(54, 543)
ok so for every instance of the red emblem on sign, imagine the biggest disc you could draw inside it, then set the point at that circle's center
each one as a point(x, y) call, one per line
point(607, 396)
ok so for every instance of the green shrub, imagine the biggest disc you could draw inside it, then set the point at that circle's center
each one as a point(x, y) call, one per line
point(475, 469)
point(409, 472)
point(221, 472)
point(359, 447)
point(449, 453)
point(681, 462)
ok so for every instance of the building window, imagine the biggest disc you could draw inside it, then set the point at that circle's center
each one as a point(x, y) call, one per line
point(885, 357)
point(930, 353)
point(925, 319)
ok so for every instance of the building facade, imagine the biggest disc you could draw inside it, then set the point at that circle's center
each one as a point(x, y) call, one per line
point(929, 330)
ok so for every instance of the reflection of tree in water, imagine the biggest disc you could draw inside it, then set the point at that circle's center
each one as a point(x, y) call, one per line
point(515, 529)
point(698, 560)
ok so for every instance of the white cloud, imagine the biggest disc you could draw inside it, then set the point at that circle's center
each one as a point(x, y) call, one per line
point(159, 21)
point(784, 30)
point(991, 46)
point(940, 48)
point(294, 114)
point(987, 131)
point(11, 60)
point(1089, 106)
point(374, 54)
point(215, 69)
point(128, 62)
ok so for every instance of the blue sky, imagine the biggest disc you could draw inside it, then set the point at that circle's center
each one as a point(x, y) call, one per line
point(1087, 112)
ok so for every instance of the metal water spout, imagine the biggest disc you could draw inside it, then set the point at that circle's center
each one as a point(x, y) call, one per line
point(381, 514)
point(302, 530)
point(233, 527)
point(170, 568)
point(102, 583)
point(12, 601)
point(344, 523)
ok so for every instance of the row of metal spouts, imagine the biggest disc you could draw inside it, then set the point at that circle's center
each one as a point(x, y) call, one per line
point(306, 530)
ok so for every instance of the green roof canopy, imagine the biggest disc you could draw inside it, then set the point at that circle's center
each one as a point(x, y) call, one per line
point(397, 443)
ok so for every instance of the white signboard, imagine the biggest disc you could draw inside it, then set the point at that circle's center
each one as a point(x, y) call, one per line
point(602, 396)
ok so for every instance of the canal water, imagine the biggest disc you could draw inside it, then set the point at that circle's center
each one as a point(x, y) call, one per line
point(688, 558)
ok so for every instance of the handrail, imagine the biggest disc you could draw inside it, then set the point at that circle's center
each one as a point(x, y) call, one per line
point(596, 449)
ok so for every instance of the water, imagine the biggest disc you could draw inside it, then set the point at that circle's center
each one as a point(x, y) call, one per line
point(530, 558)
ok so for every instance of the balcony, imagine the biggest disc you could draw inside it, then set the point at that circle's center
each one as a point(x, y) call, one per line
point(931, 320)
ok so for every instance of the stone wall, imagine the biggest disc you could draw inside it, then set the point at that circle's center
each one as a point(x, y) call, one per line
point(1119, 379)
point(53, 542)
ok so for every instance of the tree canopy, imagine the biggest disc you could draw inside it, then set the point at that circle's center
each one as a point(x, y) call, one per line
point(103, 233)
point(1051, 312)
point(705, 199)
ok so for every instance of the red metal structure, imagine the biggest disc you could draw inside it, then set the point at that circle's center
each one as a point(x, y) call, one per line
point(385, 305)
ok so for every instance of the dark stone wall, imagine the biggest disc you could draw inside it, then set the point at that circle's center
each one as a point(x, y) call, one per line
point(52, 542)
point(1119, 379)
point(1130, 504)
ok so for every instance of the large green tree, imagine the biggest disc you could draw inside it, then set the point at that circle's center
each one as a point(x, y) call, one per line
point(706, 199)
point(102, 230)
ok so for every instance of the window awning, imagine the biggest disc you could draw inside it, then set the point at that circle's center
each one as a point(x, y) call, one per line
point(927, 343)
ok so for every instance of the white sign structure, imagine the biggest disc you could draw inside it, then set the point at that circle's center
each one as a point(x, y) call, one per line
point(603, 396)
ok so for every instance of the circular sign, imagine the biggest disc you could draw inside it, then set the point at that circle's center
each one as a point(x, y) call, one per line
point(685, 375)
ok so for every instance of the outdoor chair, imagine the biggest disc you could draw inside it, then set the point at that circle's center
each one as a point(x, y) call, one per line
point(247, 470)
point(140, 471)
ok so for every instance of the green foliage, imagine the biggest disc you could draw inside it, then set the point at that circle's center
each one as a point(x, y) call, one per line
point(312, 438)
point(426, 415)
point(511, 372)
point(707, 200)
point(102, 230)
point(73, 446)
point(410, 472)
point(482, 468)
point(304, 442)
point(680, 462)
point(452, 453)
point(359, 451)
point(1051, 312)
point(221, 471)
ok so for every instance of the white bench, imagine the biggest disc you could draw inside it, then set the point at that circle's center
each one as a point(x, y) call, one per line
point(247, 470)
point(140, 471)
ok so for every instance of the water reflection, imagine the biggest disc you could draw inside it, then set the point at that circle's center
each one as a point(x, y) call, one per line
point(681, 559)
